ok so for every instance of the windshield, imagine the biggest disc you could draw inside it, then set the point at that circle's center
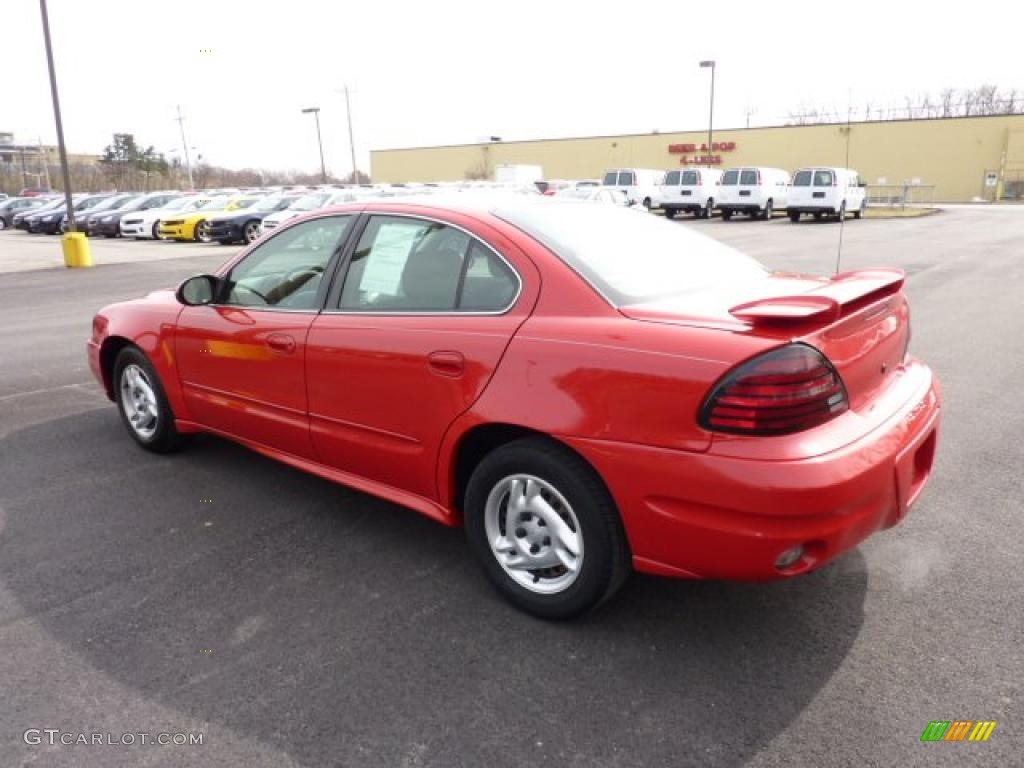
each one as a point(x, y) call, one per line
point(213, 204)
point(629, 257)
point(271, 203)
point(309, 202)
point(245, 202)
point(111, 202)
point(610, 178)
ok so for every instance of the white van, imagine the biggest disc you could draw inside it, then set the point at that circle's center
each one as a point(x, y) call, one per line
point(640, 184)
point(754, 191)
point(826, 192)
point(691, 190)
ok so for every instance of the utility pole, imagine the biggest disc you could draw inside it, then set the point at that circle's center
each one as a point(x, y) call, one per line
point(711, 108)
point(46, 164)
point(184, 145)
point(351, 139)
point(24, 171)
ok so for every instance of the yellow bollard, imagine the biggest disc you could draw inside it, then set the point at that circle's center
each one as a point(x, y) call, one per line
point(76, 250)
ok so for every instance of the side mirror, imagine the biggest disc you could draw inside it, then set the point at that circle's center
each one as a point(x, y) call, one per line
point(197, 291)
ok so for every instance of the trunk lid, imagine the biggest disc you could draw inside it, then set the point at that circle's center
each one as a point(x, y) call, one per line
point(859, 320)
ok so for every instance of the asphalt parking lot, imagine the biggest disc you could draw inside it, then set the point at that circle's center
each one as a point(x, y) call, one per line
point(295, 622)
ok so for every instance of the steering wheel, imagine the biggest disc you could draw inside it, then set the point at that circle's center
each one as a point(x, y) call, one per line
point(253, 291)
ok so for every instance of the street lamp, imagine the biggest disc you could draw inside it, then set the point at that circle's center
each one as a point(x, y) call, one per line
point(316, 115)
point(75, 246)
point(711, 108)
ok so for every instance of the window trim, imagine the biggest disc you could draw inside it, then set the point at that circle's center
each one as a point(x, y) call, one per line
point(334, 298)
point(332, 267)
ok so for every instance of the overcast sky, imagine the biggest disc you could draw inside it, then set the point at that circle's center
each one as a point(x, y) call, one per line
point(440, 72)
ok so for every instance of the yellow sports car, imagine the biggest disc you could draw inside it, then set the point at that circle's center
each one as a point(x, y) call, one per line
point(195, 225)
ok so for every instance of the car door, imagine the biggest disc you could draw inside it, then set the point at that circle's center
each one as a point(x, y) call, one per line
point(241, 360)
point(416, 330)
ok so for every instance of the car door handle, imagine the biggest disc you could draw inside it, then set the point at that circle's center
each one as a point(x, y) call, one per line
point(281, 342)
point(447, 363)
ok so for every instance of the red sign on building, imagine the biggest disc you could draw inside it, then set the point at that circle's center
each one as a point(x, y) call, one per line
point(686, 150)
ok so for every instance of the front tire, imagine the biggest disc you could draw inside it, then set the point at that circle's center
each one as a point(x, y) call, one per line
point(142, 402)
point(545, 529)
point(3, 223)
point(670, 213)
point(202, 232)
point(794, 216)
point(251, 231)
point(647, 203)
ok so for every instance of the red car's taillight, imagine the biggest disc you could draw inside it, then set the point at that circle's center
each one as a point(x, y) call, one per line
point(786, 390)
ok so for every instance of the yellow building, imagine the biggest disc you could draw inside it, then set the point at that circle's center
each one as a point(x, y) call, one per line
point(953, 159)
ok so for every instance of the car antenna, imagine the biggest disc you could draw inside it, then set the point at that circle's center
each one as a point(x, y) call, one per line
point(846, 166)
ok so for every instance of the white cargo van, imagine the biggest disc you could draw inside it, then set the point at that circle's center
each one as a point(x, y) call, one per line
point(826, 192)
point(691, 190)
point(640, 184)
point(754, 191)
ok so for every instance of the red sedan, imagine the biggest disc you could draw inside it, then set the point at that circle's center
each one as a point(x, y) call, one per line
point(586, 389)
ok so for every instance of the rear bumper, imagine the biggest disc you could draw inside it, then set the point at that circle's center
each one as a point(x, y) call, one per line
point(740, 207)
point(809, 208)
point(721, 517)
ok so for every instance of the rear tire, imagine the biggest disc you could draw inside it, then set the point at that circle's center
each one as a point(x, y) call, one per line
point(860, 211)
point(3, 223)
point(726, 215)
point(142, 402)
point(709, 209)
point(647, 203)
point(670, 213)
point(534, 500)
point(767, 213)
point(794, 216)
point(250, 231)
point(841, 215)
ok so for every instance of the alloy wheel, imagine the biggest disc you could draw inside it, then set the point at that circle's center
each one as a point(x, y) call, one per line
point(139, 401)
point(534, 534)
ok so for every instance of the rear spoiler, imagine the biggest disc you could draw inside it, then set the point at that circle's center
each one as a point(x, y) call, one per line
point(842, 294)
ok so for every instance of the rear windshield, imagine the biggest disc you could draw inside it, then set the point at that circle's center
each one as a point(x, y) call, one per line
point(626, 179)
point(802, 179)
point(610, 178)
point(729, 178)
point(629, 257)
point(672, 178)
point(748, 177)
point(823, 178)
point(691, 178)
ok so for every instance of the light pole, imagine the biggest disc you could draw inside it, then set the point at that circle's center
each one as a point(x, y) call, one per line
point(316, 115)
point(75, 246)
point(351, 139)
point(184, 144)
point(711, 109)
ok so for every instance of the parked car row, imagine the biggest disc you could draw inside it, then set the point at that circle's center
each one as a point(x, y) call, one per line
point(753, 191)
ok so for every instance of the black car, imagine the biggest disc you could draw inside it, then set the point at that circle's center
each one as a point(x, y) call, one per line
point(12, 206)
point(244, 226)
point(108, 223)
point(21, 219)
point(112, 202)
point(49, 222)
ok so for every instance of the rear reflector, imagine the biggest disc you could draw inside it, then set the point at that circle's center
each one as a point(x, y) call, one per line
point(789, 389)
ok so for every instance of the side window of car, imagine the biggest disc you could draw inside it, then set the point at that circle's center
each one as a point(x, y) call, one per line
point(414, 265)
point(285, 272)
